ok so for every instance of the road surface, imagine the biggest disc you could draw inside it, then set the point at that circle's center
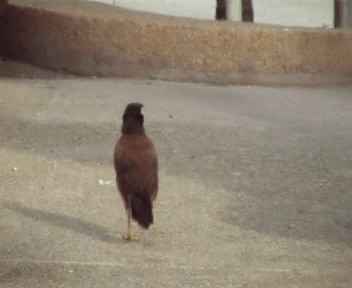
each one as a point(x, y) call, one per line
point(255, 185)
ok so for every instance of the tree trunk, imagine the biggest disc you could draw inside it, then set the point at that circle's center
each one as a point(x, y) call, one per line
point(349, 14)
point(343, 13)
point(247, 11)
point(337, 13)
point(3, 3)
point(221, 10)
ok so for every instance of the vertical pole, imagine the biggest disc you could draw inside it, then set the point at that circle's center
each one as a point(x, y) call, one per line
point(337, 13)
point(343, 13)
point(3, 26)
point(247, 11)
point(3, 3)
point(348, 14)
point(221, 10)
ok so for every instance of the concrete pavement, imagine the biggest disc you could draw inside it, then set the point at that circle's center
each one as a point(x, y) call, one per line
point(255, 186)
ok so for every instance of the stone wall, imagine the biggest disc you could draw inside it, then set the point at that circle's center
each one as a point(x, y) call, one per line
point(100, 40)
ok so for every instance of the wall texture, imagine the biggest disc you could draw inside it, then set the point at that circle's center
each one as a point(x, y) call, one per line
point(96, 39)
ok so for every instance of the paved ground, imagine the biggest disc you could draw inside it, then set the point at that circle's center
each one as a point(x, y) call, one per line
point(256, 186)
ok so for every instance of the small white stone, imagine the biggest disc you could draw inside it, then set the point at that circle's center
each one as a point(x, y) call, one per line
point(236, 174)
point(105, 182)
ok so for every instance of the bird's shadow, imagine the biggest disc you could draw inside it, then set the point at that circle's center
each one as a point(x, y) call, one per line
point(67, 222)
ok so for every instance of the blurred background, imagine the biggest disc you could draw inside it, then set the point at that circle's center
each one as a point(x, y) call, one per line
point(304, 13)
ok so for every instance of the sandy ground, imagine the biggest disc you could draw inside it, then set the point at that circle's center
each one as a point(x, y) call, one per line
point(255, 185)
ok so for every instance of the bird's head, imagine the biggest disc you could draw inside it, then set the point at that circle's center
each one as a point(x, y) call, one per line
point(133, 119)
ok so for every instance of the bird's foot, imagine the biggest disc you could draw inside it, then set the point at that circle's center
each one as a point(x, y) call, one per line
point(130, 238)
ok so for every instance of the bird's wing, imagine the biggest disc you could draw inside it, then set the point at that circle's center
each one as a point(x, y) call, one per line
point(136, 168)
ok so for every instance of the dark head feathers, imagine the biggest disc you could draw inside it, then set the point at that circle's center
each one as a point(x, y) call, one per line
point(133, 119)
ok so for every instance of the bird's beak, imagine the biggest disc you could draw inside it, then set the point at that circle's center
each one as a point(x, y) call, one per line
point(142, 110)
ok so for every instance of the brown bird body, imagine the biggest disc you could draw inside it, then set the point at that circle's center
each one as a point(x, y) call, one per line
point(136, 169)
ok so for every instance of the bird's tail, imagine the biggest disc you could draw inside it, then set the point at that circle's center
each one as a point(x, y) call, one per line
point(142, 210)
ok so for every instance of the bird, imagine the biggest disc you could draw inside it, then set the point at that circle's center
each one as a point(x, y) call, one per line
point(136, 168)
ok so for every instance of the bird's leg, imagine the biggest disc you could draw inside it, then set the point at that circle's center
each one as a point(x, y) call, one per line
point(129, 220)
point(146, 237)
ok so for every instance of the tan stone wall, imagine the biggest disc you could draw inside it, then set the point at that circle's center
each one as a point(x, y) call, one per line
point(123, 43)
